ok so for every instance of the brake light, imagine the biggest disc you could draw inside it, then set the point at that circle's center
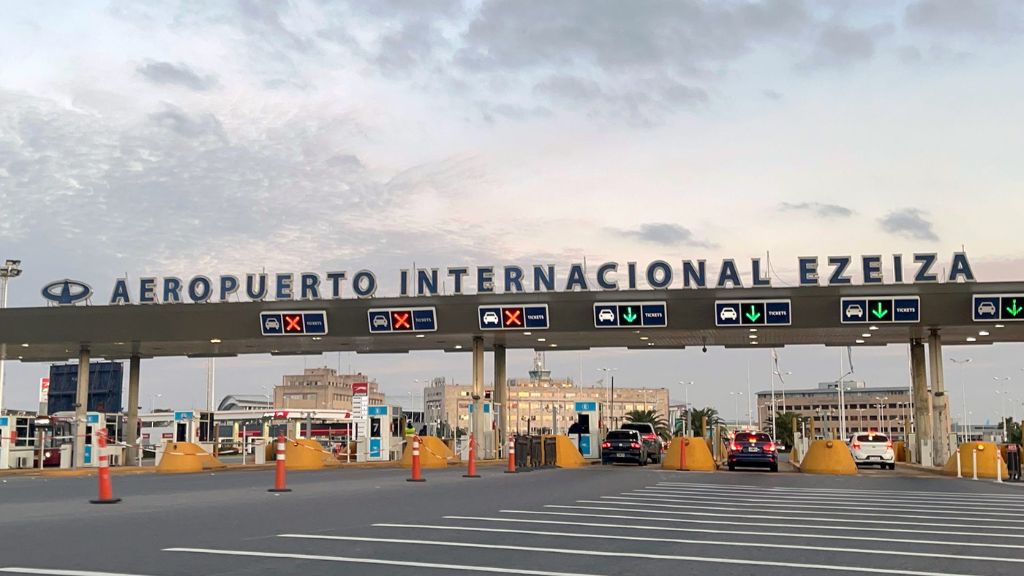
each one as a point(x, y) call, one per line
point(856, 445)
point(606, 445)
point(634, 444)
point(733, 447)
point(770, 447)
point(888, 444)
point(649, 436)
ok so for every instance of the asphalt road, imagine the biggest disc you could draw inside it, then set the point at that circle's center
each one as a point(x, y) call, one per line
point(596, 521)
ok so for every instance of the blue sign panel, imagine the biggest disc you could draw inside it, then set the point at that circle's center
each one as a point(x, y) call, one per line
point(586, 406)
point(753, 313)
point(513, 317)
point(631, 315)
point(880, 310)
point(387, 320)
point(375, 444)
point(998, 307)
point(487, 408)
point(312, 323)
point(183, 416)
point(4, 421)
point(584, 443)
point(376, 410)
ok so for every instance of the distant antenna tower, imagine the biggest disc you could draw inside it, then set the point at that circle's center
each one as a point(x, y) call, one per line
point(539, 372)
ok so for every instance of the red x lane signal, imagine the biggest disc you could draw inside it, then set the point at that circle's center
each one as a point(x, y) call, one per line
point(401, 320)
point(292, 323)
point(513, 317)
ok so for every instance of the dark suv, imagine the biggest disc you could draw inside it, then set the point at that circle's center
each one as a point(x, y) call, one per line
point(649, 437)
point(753, 449)
point(623, 446)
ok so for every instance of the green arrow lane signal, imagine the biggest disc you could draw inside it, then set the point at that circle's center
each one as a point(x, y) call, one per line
point(1014, 309)
point(753, 315)
point(629, 316)
point(879, 311)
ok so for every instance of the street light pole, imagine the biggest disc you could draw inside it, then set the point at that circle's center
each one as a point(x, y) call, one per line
point(1002, 404)
point(10, 269)
point(686, 403)
point(611, 398)
point(963, 390)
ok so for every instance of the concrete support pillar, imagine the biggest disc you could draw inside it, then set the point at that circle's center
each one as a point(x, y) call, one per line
point(81, 405)
point(501, 398)
point(132, 433)
point(941, 427)
point(922, 404)
point(478, 388)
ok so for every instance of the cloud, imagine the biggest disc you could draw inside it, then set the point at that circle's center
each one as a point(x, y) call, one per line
point(819, 209)
point(839, 46)
point(910, 223)
point(666, 235)
point(983, 19)
point(185, 125)
point(166, 73)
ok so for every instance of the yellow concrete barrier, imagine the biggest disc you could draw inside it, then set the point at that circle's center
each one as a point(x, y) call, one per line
point(988, 453)
point(900, 448)
point(307, 454)
point(567, 456)
point(698, 455)
point(434, 453)
point(186, 457)
point(828, 457)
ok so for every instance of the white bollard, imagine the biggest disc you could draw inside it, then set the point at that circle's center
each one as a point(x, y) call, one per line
point(999, 469)
point(974, 462)
point(959, 466)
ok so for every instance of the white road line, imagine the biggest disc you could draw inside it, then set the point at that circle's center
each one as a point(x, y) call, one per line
point(603, 553)
point(352, 560)
point(841, 497)
point(887, 511)
point(830, 500)
point(734, 544)
point(761, 524)
point(764, 517)
point(658, 528)
point(55, 572)
point(930, 493)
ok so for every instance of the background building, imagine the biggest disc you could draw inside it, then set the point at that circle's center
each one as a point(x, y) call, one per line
point(252, 402)
point(886, 409)
point(321, 389)
point(538, 402)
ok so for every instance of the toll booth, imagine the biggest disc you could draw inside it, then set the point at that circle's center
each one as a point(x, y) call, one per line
point(380, 430)
point(586, 432)
point(485, 444)
point(195, 427)
point(94, 422)
point(6, 441)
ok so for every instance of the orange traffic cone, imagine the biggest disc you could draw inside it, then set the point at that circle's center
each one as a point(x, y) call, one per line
point(511, 455)
point(471, 473)
point(416, 477)
point(106, 495)
point(279, 473)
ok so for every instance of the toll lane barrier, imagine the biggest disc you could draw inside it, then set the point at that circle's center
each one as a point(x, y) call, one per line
point(566, 453)
point(698, 455)
point(900, 448)
point(182, 457)
point(434, 453)
point(306, 454)
point(987, 455)
point(828, 457)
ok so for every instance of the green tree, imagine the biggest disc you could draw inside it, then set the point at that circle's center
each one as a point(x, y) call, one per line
point(1012, 431)
point(651, 417)
point(785, 428)
point(697, 420)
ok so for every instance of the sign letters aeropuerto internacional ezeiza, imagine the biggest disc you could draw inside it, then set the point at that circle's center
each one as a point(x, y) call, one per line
point(608, 276)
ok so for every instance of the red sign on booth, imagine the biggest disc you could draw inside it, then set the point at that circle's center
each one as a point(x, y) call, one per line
point(360, 387)
point(167, 435)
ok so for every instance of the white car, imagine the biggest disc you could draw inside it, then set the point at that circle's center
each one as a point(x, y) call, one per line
point(272, 324)
point(987, 309)
point(380, 322)
point(728, 313)
point(606, 315)
point(854, 310)
point(871, 448)
point(491, 318)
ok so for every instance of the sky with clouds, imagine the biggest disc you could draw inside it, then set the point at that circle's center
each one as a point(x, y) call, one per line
point(187, 138)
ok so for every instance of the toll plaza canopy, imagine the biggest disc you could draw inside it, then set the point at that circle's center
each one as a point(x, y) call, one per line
point(962, 313)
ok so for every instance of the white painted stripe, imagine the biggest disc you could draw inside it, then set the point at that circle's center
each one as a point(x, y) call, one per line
point(830, 501)
point(765, 517)
point(729, 543)
point(377, 561)
point(762, 524)
point(979, 503)
point(882, 509)
point(931, 493)
point(607, 554)
point(659, 528)
point(55, 572)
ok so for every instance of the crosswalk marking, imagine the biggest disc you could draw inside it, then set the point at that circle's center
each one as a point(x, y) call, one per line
point(55, 572)
point(739, 544)
point(803, 490)
point(659, 528)
point(622, 554)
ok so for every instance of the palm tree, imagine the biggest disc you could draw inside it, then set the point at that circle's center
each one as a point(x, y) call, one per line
point(785, 428)
point(697, 418)
point(651, 417)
